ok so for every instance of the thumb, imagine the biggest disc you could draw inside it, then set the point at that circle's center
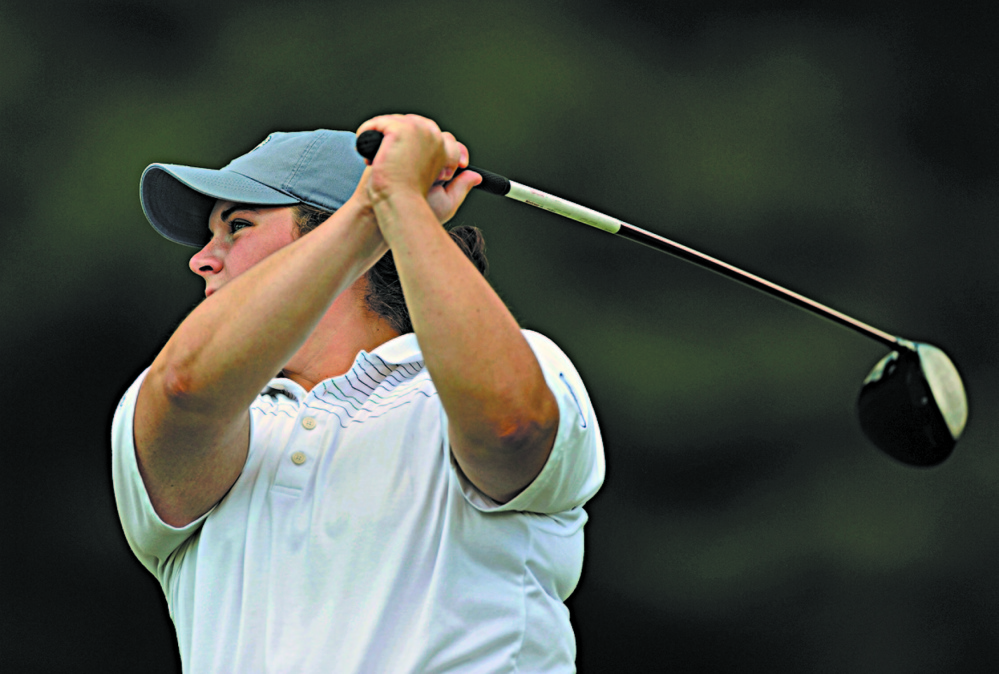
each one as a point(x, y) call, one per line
point(463, 183)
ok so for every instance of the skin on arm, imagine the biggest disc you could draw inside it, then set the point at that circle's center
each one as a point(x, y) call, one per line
point(502, 416)
point(191, 419)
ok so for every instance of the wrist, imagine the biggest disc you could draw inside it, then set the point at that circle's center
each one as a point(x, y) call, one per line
point(352, 229)
point(401, 210)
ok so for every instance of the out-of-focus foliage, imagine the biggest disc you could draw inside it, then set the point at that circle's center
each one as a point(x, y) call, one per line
point(846, 151)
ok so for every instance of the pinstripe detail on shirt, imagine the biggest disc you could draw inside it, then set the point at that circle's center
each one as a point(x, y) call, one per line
point(370, 389)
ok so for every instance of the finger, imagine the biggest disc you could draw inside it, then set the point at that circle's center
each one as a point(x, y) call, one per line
point(457, 156)
point(388, 125)
point(379, 123)
point(462, 185)
point(425, 122)
point(413, 150)
point(457, 153)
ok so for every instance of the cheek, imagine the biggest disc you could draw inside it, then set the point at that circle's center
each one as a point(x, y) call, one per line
point(239, 261)
point(252, 251)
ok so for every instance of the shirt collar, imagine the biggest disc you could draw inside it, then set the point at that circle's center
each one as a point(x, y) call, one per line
point(399, 350)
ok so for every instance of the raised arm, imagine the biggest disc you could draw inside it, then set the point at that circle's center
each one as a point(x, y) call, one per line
point(191, 424)
point(502, 416)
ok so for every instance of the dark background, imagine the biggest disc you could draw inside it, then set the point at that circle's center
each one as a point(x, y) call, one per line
point(846, 150)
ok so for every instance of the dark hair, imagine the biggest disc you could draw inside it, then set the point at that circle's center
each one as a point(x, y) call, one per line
point(384, 296)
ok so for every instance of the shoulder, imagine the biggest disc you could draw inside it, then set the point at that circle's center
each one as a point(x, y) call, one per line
point(543, 345)
point(555, 363)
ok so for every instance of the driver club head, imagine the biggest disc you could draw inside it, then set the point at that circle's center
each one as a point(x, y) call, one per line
point(913, 405)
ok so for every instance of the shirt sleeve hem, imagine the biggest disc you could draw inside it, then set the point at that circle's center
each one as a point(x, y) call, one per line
point(151, 539)
point(544, 495)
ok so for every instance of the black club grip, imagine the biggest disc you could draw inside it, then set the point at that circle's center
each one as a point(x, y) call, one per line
point(369, 142)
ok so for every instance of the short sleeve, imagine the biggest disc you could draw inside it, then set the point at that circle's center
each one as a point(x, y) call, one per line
point(575, 468)
point(150, 538)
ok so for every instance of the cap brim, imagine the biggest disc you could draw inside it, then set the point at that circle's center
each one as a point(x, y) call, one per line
point(177, 200)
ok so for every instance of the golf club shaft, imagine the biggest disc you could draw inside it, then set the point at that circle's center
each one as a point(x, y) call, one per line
point(367, 146)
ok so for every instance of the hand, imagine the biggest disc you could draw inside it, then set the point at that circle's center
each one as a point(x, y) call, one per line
point(417, 157)
point(445, 198)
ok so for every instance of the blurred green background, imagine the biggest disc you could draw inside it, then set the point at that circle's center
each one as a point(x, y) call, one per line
point(845, 150)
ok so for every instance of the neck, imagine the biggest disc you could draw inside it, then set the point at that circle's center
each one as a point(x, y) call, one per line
point(347, 328)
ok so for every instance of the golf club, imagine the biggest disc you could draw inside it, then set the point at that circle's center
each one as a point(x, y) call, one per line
point(912, 404)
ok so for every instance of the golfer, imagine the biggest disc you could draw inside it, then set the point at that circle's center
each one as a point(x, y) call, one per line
point(349, 457)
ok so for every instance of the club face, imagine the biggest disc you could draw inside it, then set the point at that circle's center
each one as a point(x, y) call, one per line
point(913, 405)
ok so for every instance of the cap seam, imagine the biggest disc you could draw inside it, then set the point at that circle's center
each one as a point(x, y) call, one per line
point(306, 155)
point(281, 189)
point(308, 202)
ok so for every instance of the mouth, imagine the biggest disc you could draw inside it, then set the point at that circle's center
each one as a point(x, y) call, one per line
point(208, 292)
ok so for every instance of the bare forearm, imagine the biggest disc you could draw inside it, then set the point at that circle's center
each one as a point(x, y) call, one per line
point(502, 418)
point(488, 378)
point(227, 349)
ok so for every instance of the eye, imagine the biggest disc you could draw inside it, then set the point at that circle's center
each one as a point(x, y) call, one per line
point(237, 225)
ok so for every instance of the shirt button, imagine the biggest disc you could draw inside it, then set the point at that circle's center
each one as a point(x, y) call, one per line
point(298, 458)
point(308, 423)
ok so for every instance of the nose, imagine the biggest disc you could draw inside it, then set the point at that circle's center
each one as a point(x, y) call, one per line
point(206, 261)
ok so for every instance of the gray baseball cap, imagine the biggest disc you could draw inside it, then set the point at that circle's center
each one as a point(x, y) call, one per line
point(320, 168)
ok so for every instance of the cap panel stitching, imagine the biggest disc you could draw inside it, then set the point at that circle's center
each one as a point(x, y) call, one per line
point(281, 189)
point(305, 158)
point(288, 193)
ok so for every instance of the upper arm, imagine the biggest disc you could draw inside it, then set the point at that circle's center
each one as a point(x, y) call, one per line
point(571, 468)
point(188, 457)
point(502, 463)
point(506, 450)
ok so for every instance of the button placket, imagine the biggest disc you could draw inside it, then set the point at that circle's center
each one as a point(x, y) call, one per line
point(309, 423)
point(299, 462)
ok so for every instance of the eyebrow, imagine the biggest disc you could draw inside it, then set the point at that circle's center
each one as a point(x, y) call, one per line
point(228, 212)
point(238, 207)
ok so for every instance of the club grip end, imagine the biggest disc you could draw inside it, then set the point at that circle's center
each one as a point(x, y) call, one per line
point(367, 145)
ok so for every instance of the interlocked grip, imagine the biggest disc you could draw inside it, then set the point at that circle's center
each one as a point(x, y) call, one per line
point(369, 142)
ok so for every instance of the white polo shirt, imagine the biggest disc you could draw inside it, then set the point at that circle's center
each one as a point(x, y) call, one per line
point(351, 542)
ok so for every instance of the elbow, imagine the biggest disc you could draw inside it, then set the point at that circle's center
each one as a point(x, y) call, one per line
point(524, 445)
point(503, 456)
point(531, 429)
point(176, 386)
